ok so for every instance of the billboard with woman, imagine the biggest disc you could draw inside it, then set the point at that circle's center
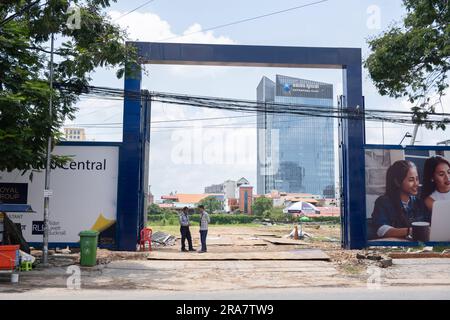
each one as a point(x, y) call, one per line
point(407, 189)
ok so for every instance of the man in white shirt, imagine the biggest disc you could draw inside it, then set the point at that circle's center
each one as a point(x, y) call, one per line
point(204, 221)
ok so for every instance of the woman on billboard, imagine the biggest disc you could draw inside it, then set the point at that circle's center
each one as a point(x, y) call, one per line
point(436, 180)
point(400, 205)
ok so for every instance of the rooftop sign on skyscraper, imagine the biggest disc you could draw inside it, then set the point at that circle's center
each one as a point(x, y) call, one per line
point(294, 87)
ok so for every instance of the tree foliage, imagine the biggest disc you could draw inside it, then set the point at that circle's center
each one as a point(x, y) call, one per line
point(25, 30)
point(261, 205)
point(211, 204)
point(413, 60)
point(154, 209)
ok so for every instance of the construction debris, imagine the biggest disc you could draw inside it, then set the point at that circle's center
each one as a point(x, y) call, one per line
point(425, 249)
point(329, 239)
point(296, 233)
point(162, 238)
point(384, 263)
point(63, 251)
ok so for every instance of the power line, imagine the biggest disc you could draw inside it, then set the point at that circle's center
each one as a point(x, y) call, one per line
point(246, 20)
point(127, 13)
point(165, 121)
point(263, 108)
point(117, 125)
point(172, 98)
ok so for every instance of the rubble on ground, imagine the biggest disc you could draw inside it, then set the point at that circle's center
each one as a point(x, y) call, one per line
point(163, 239)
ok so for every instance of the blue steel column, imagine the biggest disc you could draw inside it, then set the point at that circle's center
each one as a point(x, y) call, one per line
point(145, 155)
point(354, 216)
point(130, 164)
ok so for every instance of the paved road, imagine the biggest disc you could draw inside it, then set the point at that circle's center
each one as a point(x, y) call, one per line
point(260, 280)
point(384, 293)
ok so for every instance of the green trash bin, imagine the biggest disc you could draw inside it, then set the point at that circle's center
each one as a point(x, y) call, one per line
point(88, 248)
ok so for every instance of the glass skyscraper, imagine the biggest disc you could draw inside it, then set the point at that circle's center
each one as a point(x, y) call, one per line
point(295, 153)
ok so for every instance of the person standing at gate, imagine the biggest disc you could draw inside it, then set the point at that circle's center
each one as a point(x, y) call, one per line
point(185, 232)
point(204, 221)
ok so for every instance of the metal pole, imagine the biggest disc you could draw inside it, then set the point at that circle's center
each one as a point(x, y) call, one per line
point(416, 128)
point(48, 164)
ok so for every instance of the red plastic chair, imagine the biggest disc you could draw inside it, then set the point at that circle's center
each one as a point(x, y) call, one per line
point(146, 236)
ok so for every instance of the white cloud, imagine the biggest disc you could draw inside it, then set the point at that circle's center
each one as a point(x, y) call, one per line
point(193, 34)
point(143, 26)
point(150, 27)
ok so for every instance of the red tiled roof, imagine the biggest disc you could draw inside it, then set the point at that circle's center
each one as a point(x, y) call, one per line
point(188, 197)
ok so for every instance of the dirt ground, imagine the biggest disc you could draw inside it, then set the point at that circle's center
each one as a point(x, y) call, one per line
point(252, 238)
point(323, 236)
point(133, 270)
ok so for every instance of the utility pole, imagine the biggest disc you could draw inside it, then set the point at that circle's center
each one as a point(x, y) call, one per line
point(48, 164)
point(416, 128)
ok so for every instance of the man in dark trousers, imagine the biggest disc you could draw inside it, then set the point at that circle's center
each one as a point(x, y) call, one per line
point(204, 221)
point(184, 229)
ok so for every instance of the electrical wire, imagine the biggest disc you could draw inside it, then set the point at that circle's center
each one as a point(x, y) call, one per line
point(262, 108)
point(245, 20)
point(127, 13)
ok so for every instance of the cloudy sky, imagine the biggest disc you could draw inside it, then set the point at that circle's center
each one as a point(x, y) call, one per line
point(225, 148)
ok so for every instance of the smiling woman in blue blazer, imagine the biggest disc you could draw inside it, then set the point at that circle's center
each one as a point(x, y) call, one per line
point(400, 205)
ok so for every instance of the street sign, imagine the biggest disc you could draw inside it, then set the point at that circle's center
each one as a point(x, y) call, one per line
point(48, 193)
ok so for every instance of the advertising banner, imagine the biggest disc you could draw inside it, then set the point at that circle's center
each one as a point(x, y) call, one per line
point(83, 195)
point(407, 194)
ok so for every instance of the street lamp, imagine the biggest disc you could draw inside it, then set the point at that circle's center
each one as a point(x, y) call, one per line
point(407, 135)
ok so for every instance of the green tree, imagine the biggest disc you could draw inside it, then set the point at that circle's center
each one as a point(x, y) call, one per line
point(154, 209)
point(211, 204)
point(413, 60)
point(25, 30)
point(261, 205)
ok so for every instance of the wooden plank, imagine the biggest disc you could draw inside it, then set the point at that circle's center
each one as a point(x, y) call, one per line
point(405, 255)
point(285, 241)
point(239, 244)
point(301, 254)
point(219, 243)
point(267, 235)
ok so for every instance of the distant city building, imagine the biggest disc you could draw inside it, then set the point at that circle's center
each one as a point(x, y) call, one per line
point(215, 188)
point(228, 188)
point(295, 153)
point(242, 181)
point(74, 134)
point(245, 199)
point(327, 207)
point(180, 200)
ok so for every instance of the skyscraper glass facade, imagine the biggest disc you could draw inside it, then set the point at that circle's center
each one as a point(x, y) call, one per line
point(295, 153)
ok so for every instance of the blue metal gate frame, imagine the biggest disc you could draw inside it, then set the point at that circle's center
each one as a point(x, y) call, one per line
point(136, 122)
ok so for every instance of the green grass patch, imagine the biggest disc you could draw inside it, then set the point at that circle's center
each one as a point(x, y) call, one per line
point(219, 219)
